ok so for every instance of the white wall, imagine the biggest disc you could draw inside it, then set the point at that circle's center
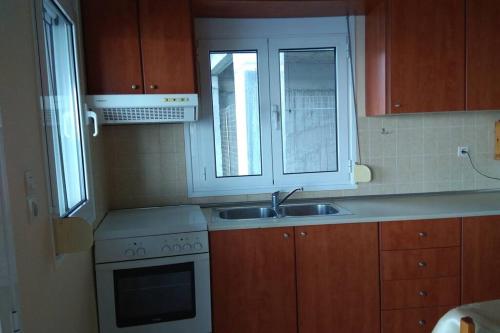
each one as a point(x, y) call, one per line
point(55, 298)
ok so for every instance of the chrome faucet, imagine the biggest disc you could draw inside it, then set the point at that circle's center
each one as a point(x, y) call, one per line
point(275, 198)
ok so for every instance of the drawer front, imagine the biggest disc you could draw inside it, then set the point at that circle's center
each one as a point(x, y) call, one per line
point(420, 320)
point(406, 235)
point(418, 264)
point(400, 294)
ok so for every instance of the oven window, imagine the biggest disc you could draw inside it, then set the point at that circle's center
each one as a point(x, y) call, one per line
point(156, 294)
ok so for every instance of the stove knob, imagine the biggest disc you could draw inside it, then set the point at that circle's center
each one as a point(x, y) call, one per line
point(141, 251)
point(129, 252)
point(166, 248)
point(187, 247)
point(198, 246)
point(177, 247)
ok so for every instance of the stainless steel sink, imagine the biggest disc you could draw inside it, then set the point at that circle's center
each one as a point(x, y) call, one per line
point(308, 210)
point(247, 213)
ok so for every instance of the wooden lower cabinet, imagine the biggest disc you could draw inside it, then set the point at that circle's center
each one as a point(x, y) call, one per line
point(420, 320)
point(420, 273)
point(481, 259)
point(338, 278)
point(253, 281)
point(287, 280)
point(313, 279)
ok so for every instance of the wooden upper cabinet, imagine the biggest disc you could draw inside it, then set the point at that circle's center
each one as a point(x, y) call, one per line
point(253, 281)
point(427, 55)
point(338, 278)
point(167, 46)
point(138, 46)
point(483, 47)
point(112, 49)
point(481, 259)
point(415, 56)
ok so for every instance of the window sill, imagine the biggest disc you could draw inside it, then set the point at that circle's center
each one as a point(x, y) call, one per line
point(259, 190)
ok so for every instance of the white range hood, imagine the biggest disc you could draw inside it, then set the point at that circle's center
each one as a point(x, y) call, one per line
point(144, 109)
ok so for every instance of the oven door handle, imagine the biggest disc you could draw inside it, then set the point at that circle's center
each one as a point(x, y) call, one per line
point(152, 262)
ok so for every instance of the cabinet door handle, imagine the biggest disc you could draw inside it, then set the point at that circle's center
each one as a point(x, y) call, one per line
point(303, 234)
point(422, 322)
point(422, 234)
point(397, 105)
point(135, 87)
point(286, 235)
point(423, 293)
point(422, 264)
point(153, 86)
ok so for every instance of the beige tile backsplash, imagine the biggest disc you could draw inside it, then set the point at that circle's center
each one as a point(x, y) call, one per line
point(407, 154)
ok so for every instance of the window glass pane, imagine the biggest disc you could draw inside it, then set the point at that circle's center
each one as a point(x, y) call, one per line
point(309, 115)
point(62, 111)
point(235, 104)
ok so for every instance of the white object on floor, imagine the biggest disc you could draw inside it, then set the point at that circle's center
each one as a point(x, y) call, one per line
point(486, 317)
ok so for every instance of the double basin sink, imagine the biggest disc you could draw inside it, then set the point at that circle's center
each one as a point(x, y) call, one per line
point(245, 213)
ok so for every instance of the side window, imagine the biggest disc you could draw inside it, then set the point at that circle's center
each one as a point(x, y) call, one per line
point(64, 118)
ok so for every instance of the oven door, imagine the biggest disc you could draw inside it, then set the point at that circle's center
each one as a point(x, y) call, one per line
point(155, 295)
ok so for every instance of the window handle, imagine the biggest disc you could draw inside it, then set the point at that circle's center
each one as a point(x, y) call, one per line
point(277, 114)
point(92, 115)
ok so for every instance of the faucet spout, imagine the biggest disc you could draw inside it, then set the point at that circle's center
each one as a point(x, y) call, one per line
point(289, 195)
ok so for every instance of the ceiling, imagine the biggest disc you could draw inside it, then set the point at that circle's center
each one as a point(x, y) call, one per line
point(278, 8)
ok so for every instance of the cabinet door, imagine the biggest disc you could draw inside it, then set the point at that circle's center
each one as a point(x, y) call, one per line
point(427, 55)
point(338, 278)
point(112, 50)
point(167, 46)
point(481, 259)
point(483, 44)
point(253, 281)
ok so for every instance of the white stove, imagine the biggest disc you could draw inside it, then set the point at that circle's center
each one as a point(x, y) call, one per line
point(152, 271)
point(151, 221)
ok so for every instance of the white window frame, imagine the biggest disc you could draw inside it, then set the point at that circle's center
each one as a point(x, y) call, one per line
point(268, 36)
point(86, 210)
point(202, 131)
point(340, 179)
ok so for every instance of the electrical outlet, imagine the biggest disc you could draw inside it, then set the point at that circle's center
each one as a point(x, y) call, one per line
point(462, 151)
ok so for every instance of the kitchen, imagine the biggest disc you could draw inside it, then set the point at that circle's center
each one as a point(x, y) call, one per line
point(419, 97)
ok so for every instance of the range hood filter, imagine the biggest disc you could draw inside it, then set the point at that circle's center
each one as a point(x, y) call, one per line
point(144, 109)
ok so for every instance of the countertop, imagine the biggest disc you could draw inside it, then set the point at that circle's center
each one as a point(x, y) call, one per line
point(375, 209)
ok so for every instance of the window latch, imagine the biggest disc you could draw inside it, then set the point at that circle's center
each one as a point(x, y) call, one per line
point(277, 113)
point(15, 321)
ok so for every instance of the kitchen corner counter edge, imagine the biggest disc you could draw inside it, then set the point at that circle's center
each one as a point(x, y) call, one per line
point(375, 209)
